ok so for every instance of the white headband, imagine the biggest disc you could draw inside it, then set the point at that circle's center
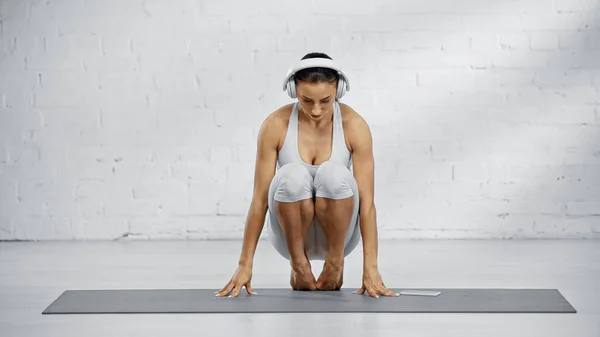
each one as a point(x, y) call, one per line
point(313, 63)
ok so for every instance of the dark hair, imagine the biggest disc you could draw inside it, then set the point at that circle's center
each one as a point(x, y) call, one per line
point(317, 74)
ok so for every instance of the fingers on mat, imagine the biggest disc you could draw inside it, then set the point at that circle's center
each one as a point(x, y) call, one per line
point(386, 292)
point(249, 290)
point(226, 290)
point(360, 291)
point(236, 291)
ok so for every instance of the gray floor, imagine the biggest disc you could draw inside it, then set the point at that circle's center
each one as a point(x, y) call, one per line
point(32, 275)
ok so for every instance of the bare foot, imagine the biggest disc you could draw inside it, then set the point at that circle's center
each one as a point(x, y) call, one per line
point(332, 276)
point(301, 277)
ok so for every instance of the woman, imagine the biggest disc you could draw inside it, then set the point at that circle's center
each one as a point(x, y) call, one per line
point(318, 208)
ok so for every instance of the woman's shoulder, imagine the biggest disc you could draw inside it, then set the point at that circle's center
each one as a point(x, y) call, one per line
point(356, 129)
point(284, 111)
point(280, 117)
point(350, 116)
point(276, 123)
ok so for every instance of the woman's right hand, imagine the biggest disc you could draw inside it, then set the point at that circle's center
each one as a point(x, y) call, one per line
point(241, 278)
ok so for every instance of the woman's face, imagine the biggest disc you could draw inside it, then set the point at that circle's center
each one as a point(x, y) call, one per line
point(316, 100)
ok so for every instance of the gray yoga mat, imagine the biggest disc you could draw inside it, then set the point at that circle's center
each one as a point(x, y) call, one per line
point(285, 300)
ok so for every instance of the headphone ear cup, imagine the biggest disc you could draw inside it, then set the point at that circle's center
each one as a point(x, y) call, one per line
point(341, 88)
point(291, 88)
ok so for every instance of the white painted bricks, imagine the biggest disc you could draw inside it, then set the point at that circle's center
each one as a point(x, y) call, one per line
point(138, 120)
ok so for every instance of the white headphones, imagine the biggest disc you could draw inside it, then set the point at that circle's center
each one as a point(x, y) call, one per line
point(289, 83)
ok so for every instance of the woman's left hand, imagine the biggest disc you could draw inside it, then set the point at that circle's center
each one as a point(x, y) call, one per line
point(373, 284)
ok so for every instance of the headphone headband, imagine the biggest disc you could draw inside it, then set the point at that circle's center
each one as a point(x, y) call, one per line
point(314, 63)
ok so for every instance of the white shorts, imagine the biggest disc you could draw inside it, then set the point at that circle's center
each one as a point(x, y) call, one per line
point(293, 182)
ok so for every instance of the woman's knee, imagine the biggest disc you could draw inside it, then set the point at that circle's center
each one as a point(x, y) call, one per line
point(334, 181)
point(293, 183)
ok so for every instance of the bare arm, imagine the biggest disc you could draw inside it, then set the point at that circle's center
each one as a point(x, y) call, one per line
point(364, 171)
point(266, 157)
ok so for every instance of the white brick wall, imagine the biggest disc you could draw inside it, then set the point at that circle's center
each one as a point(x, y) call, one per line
point(138, 120)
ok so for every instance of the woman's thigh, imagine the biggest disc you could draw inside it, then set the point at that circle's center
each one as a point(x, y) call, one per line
point(315, 243)
point(318, 245)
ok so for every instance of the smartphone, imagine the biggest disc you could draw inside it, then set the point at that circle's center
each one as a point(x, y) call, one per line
point(420, 293)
